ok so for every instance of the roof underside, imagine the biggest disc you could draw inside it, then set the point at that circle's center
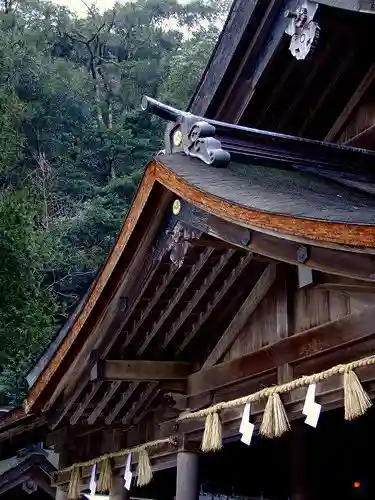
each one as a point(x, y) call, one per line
point(255, 81)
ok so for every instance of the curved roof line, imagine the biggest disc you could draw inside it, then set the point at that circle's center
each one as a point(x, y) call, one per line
point(316, 230)
point(157, 172)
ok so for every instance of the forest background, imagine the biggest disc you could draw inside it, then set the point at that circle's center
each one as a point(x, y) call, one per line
point(73, 145)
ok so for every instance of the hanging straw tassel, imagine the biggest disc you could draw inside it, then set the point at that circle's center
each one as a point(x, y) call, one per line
point(144, 469)
point(357, 401)
point(105, 476)
point(74, 490)
point(212, 440)
point(275, 421)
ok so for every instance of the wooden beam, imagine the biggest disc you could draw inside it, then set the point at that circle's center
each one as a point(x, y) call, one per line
point(343, 285)
point(215, 227)
point(329, 393)
point(289, 350)
point(243, 93)
point(194, 271)
point(236, 272)
point(141, 370)
point(216, 270)
point(327, 260)
point(286, 284)
point(364, 139)
point(256, 295)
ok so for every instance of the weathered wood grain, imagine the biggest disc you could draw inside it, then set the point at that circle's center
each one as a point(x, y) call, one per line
point(248, 307)
point(289, 350)
point(141, 370)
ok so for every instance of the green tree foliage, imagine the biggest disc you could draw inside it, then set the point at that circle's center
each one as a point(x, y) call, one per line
point(73, 144)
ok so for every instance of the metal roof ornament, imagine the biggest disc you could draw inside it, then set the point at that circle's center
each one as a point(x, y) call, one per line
point(304, 32)
point(189, 134)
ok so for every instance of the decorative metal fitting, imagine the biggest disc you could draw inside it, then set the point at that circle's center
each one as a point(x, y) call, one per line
point(195, 138)
point(176, 207)
point(29, 486)
point(303, 30)
point(188, 134)
point(303, 254)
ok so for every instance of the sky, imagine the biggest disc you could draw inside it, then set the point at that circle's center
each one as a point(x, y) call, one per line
point(79, 7)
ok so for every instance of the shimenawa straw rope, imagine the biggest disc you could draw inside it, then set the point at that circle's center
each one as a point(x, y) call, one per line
point(275, 421)
point(105, 474)
point(274, 424)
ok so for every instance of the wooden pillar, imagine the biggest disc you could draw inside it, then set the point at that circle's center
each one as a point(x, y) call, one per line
point(298, 463)
point(187, 476)
point(119, 492)
point(61, 495)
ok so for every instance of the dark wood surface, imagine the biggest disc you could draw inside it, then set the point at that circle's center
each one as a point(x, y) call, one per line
point(138, 370)
point(289, 350)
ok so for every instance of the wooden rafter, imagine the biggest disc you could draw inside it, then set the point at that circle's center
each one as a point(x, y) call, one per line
point(141, 370)
point(125, 396)
point(78, 366)
point(150, 305)
point(353, 102)
point(145, 408)
point(188, 280)
point(235, 273)
point(130, 310)
point(84, 404)
point(194, 271)
point(344, 65)
point(103, 402)
point(140, 403)
point(257, 294)
point(67, 405)
point(216, 270)
point(300, 96)
point(288, 350)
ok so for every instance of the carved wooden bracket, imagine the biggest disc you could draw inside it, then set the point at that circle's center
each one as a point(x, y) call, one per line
point(178, 242)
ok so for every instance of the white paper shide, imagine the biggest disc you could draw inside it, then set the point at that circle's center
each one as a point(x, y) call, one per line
point(246, 427)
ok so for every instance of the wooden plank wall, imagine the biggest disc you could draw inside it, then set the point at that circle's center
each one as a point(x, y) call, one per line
point(311, 306)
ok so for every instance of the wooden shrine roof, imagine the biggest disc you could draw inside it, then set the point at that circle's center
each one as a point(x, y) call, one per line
point(174, 281)
point(31, 471)
point(176, 278)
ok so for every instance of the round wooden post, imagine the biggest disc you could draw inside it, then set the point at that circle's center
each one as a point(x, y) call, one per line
point(119, 492)
point(187, 476)
point(60, 494)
